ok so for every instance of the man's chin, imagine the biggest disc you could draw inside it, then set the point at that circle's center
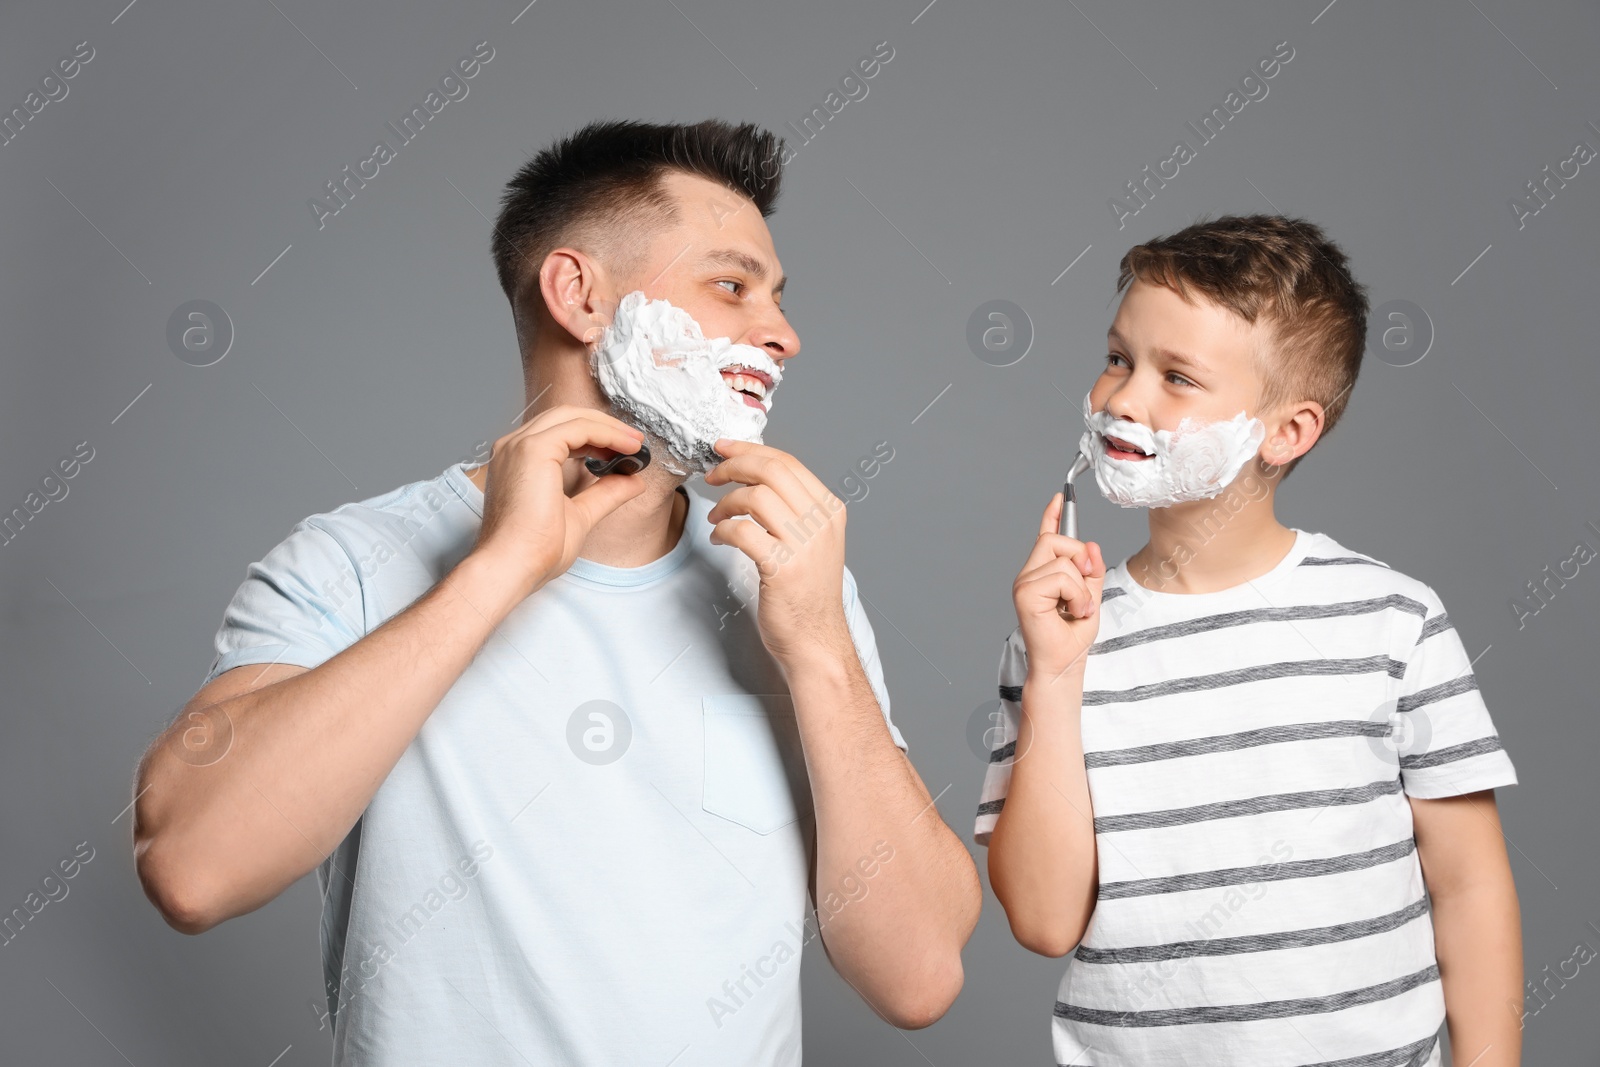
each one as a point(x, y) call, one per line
point(670, 455)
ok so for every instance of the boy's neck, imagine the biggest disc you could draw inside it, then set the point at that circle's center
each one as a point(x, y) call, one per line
point(1205, 546)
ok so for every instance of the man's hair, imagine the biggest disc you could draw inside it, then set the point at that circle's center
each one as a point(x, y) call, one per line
point(601, 186)
point(1284, 271)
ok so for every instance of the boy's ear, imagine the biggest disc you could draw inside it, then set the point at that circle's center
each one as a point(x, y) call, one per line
point(575, 291)
point(1292, 434)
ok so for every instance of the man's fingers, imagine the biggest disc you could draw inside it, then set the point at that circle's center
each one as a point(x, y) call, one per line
point(752, 464)
point(748, 537)
point(568, 412)
point(762, 503)
point(563, 439)
point(563, 413)
point(597, 501)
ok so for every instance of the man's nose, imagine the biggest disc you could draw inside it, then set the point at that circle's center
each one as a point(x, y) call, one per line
point(773, 334)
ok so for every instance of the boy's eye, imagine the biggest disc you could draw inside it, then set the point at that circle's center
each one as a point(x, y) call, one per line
point(1113, 359)
point(1178, 379)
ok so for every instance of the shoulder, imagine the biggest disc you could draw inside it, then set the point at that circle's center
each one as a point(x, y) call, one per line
point(413, 502)
point(1323, 551)
point(391, 520)
point(1343, 573)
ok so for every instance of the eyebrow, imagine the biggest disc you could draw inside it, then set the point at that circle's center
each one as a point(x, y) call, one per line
point(732, 257)
point(1168, 354)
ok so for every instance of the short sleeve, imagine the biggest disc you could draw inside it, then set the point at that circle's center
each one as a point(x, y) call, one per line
point(867, 651)
point(1451, 746)
point(1001, 736)
point(301, 604)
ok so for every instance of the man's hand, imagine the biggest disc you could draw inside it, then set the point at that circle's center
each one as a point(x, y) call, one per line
point(1057, 596)
point(898, 946)
point(312, 747)
point(530, 525)
point(796, 541)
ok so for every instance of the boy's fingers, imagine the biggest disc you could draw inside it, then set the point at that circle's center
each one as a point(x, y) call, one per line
point(1051, 545)
point(1052, 515)
point(1066, 586)
point(1099, 570)
point(1055, 580)
point(1048, 567)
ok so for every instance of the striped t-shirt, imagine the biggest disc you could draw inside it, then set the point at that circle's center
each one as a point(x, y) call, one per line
point(1250, 753)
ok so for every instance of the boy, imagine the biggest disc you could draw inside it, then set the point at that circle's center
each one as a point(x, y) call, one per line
point(1198, 778)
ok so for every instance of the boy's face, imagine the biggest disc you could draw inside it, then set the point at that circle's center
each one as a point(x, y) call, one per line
point(1167, 360)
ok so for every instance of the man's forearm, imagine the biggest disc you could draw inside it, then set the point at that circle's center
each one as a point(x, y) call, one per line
point(306, 754)
point(1478, 942)
point(899, 941)
point(1042, 859)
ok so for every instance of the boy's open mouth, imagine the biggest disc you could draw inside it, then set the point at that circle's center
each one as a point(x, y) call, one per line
point(749, 384)
point(1117, 448)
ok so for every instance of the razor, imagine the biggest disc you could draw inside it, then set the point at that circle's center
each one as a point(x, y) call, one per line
point(1069, 499)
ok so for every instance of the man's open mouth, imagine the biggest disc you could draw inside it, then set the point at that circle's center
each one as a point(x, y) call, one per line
point(1117, 448)
point(749, 384)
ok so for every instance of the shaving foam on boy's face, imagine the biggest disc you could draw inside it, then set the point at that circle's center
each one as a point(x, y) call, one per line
point(1196, 461)
point(660, 371)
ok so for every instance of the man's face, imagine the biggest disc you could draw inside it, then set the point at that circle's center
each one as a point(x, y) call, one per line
point(1168, 359)
point(717, 263)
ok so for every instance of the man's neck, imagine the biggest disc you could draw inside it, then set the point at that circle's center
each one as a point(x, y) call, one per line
point(640, 531)
point(1204, 546)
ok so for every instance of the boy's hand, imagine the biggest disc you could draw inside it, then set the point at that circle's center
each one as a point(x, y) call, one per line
point(1057, 596)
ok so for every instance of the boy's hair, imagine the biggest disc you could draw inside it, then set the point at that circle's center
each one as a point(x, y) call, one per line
point(602, 185)
point(1286, 271)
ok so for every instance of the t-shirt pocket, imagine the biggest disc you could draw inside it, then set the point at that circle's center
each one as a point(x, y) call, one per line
point(755, 771)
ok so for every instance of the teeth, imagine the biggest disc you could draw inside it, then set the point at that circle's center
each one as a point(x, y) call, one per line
point(746, 383)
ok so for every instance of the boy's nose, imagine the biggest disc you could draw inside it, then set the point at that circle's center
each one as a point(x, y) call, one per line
point(1122, 406)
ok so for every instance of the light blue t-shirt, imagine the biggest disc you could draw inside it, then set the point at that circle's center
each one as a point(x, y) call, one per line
point(596, 850)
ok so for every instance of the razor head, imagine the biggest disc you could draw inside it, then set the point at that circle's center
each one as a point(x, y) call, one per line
point(621, 463)
point(1068, 522)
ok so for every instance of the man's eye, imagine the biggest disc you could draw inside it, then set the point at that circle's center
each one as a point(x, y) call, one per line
point(737, 286)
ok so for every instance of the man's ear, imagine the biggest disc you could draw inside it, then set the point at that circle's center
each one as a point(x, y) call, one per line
point(575, 293)
point(1292, 434)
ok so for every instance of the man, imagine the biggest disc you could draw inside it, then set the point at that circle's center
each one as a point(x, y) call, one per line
point(567, 752)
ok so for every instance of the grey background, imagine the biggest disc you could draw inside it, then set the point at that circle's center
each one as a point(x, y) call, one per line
point(379, 349)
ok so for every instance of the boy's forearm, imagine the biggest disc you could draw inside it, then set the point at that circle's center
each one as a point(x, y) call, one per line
point(1478, 942)
point(1042, 860)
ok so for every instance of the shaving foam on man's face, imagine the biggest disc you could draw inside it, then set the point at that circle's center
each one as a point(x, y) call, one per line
point(660, 371)
point(1136, 467)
